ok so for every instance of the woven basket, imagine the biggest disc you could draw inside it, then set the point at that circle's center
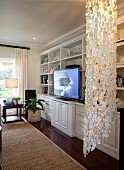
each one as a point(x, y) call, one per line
point(34, 117)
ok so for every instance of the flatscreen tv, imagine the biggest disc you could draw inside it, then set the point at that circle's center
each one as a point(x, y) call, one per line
point(66, 83)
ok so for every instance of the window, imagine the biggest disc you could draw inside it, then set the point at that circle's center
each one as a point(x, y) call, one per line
point(7, 70)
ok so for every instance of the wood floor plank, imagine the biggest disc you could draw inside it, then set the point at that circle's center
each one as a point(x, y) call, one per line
point(95, 160)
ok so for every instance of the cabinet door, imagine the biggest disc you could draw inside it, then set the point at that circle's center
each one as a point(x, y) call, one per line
point(63, 115)
point(39, 96)
point(112, 142)
point(56, 114)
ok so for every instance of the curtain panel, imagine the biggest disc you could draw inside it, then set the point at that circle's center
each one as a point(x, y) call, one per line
point(21, 70)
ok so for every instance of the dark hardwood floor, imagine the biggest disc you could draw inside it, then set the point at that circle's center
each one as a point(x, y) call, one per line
point(96, 160)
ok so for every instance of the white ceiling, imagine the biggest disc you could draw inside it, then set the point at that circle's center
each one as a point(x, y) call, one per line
point(21, 20)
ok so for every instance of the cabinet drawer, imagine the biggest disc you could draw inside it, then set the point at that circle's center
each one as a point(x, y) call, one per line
point(80, 119)
point(80, 109)
point(79, 129)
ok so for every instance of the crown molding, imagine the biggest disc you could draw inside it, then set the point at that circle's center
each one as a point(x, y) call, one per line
point(120, 20)
point(75, 33)
point(80, 31)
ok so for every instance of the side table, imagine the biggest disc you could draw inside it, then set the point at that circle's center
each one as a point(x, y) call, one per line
point(5, 107)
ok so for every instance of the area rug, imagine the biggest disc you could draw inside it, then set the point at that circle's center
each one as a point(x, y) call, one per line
point(25, 148)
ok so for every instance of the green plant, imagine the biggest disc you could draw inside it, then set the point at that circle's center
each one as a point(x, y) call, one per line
point(34, 104)
point(16, 98)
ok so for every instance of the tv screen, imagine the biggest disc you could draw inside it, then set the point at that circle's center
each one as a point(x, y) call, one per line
point(66, 83)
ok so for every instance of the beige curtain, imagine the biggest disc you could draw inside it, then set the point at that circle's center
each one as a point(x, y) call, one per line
point(21, 70)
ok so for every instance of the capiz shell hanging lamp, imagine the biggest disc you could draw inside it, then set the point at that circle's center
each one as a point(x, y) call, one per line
point(100, 94)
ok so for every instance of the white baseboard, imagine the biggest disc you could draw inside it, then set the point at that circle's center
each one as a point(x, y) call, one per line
point(108, 151)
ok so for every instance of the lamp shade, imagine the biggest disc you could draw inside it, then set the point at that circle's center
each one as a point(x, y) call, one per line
point(11, 83)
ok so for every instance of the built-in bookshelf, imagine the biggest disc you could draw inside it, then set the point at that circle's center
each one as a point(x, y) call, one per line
point(74, 52)
point(70, 53)
point(120, 60)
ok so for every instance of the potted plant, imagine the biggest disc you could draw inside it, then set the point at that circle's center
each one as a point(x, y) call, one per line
point(34, 107)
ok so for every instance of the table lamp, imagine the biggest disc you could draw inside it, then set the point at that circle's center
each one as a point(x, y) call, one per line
point(11, 83)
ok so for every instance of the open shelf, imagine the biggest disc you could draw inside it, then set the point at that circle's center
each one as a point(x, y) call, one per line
point(59, 58)
point(120, 60)
point(72, 57)
point(120, 88)
point(120, 43)
point(44, 84)
point(43, 74)
point(119, 65)
point(44, 64)
point(54, 61)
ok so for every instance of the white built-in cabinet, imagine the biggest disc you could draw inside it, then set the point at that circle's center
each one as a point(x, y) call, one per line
point(69, 116)
point(47, 112)
point(60, 115)
point(110, 145)
point(80, 114)
point(63, 116)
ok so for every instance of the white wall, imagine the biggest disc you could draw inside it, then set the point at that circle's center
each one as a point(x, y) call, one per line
point(33, 71)
point(6, 52)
